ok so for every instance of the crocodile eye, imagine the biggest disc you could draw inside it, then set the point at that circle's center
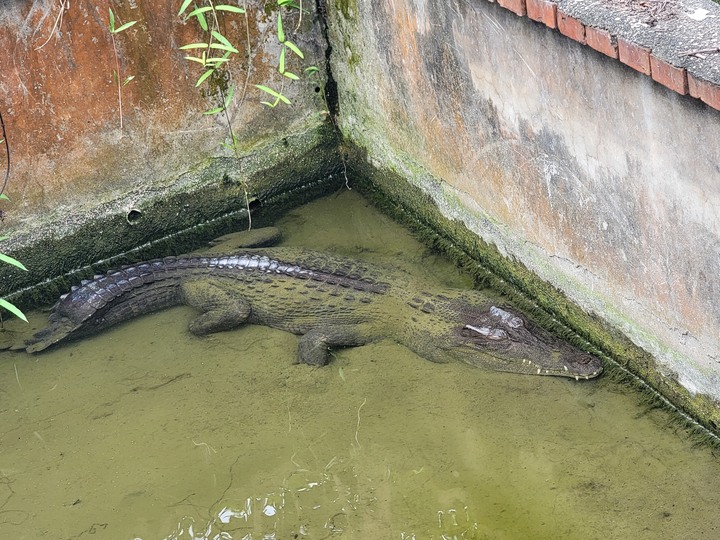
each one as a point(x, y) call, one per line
point(494, 334)
point(497, 334)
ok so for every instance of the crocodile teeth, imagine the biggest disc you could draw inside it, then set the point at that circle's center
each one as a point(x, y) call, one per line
point(577, 378)
point(538, 371)
point(566, 369)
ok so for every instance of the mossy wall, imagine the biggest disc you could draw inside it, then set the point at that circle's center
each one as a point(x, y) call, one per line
point(579, 172)
point(85, 186)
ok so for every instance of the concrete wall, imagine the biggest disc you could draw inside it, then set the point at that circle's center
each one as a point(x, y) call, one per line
point(77, 174)
point(598, 179)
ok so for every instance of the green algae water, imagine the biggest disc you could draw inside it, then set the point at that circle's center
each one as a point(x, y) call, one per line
point(146, 432)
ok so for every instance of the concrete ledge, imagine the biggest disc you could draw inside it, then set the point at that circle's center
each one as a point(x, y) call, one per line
point(666, 43)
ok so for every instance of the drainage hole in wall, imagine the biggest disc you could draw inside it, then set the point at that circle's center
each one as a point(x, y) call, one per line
point(133, 216)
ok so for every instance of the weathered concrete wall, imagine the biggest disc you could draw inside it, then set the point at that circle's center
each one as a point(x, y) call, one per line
point(599, 180)
point(76, 174)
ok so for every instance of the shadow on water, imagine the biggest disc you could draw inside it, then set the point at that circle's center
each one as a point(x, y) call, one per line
point(145, 432)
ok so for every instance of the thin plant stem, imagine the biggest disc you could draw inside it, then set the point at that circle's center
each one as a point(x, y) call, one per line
point(249, 55)
point(233, 138)
point(117, 78)
point(58, 22)
point(7, 155)
point(299, 18)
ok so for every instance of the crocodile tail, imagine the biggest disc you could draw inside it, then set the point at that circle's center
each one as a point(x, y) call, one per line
point(58, 329)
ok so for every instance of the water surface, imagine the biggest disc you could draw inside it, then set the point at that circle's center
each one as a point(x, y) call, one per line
point(146, 432)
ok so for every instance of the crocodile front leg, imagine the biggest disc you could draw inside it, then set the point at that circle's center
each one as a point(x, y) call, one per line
point(314, 346)
point(222, 309)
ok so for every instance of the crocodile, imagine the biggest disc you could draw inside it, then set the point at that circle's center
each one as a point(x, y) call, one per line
point(328, 300)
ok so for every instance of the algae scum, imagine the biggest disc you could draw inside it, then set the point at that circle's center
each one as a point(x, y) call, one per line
point(145, 432)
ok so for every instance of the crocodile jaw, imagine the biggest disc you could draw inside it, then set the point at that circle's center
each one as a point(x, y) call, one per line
point(575, 365)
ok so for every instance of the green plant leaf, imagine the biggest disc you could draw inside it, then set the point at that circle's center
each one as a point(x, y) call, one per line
point(281, 63)
point(270, 91)
point(125, 26)
point(288, 4)
point(215, 61)
point(12, 309)
point(213, 111)
point(222, 39)
point(198, 11)
point(280, 31)
point(2, 195)
point(112, 21)
point(203, 22)
point(271, 105)
point(229, 96)
point(198, 60)
point(294, 48)
point(291, 75)
point(204, 76)
point(130, 78)
point(222, 47)
point(273, 93)
point(232, 9)
point(194, 46)
point(184, 6)
point(9, 260)
point(311, 69)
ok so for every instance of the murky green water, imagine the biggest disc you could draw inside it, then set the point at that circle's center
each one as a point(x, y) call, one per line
point(145, 432)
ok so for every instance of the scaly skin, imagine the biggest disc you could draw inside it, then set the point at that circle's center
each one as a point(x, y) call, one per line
point(328, 301)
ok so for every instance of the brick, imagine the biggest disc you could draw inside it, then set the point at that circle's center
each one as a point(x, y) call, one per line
point(516, 6)
point(602, 41)
point(634, 55)
point(571, 27)
point(542, 11)
point(704, 90)
point(674, 78)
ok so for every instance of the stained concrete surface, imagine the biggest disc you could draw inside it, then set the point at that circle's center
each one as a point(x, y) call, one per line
point(83, 186)
point(598, 180)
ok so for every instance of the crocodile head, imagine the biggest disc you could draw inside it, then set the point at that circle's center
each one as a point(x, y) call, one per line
point(505, 341)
